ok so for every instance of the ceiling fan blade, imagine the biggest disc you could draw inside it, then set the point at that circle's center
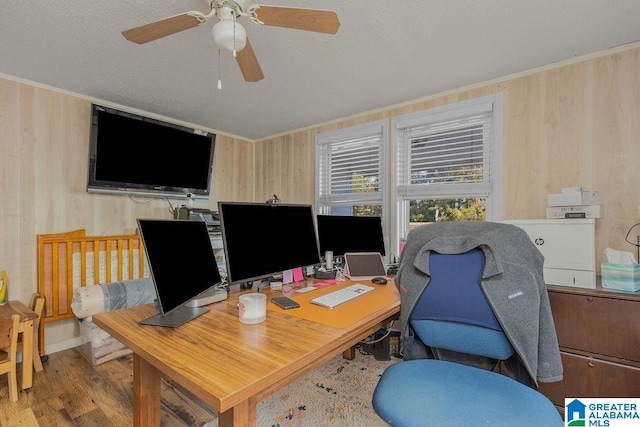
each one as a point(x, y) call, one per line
point(162, 28)
point(321, 21)
point(248, 64)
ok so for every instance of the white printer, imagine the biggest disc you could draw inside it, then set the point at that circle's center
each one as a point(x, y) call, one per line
point(568, 246)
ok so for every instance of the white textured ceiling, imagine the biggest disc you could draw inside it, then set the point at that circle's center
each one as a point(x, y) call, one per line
point(385, 53)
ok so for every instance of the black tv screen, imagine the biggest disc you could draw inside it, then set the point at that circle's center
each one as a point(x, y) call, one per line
point(262, 240)
point(136, 154)
point(342, 234)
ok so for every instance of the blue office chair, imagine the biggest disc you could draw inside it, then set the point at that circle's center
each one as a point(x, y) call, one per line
point(460, 386)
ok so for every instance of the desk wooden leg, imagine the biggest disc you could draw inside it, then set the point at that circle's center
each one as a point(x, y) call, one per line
point(27, 354)
point(146, 393)
point(243, 414)
point(349, 353)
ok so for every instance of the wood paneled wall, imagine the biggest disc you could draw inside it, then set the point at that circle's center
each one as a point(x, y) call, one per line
point(44, 138)
point(570, 125)
point(567, 125)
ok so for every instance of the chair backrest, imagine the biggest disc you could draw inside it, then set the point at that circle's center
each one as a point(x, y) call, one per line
point(453, 313)
point(9, 337)
point(37, 306)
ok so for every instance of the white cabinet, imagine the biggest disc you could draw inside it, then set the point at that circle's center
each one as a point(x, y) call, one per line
point(568, 246)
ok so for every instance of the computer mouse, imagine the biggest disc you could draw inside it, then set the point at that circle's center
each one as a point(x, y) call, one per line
point(379, 280)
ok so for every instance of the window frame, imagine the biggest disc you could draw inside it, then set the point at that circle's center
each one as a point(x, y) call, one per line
point(379, 128)
point(492, 191)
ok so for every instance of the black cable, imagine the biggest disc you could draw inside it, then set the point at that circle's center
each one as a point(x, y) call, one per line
point(637, 243)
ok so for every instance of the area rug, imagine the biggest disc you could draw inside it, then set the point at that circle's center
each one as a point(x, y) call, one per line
point(335, 394)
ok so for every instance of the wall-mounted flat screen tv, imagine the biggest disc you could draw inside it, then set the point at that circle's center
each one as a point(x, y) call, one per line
point(129, 153)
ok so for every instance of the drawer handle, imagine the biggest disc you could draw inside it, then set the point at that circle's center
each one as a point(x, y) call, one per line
point(591, 364)
point(590, 299)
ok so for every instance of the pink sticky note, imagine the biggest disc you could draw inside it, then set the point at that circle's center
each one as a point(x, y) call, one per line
point(287, 276)
point(321, 284)
point(297, 274)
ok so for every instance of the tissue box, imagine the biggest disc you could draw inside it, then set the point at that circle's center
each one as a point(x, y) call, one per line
point(621, 277)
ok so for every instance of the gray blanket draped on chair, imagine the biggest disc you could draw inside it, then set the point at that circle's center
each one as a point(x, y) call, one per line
point(512, 282)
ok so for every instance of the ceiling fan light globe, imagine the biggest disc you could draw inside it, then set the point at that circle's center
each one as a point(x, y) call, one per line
point(229, 35)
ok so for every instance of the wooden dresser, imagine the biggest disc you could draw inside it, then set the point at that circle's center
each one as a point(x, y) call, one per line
point(599, 336)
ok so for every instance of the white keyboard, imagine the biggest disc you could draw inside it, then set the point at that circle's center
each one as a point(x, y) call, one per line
point(335, 298)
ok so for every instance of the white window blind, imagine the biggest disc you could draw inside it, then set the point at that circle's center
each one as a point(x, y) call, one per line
point(449, 153)
point(349, 166)
point(451, 157)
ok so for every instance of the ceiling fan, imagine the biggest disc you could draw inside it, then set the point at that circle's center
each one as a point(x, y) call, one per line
point(229, 34)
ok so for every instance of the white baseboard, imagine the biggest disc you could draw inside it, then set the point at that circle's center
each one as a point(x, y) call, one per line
point(64, 345)
point(54, 348)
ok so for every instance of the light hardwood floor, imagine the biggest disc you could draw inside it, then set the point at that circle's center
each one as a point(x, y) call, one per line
point(73, 392)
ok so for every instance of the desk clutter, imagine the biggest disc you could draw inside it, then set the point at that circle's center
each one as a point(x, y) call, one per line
point(80, 270)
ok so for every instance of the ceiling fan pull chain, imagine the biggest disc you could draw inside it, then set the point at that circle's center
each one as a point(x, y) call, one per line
point(219, 79)
point(234, 37)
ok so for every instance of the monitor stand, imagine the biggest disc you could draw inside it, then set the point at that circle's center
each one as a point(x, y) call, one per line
point(208, 297)
point(175, 318)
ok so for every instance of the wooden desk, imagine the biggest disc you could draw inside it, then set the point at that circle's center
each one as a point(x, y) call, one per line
point(27, 316)
point(233, 366)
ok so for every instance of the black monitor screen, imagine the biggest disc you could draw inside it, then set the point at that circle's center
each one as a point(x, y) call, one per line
point(261, 240)
point(342, 234)
point(181, 260)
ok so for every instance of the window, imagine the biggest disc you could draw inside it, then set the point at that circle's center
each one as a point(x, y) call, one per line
point(448, 164)
point(351, 172)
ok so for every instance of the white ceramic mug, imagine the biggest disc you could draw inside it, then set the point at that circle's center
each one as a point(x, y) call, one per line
point(252, 308)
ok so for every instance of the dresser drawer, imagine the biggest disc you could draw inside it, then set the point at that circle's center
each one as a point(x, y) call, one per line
point(597, 324)
point(589, 377)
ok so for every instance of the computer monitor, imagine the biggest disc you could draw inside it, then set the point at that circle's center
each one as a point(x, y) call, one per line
point(341, 234)
point(182, 266)
point(263, 239)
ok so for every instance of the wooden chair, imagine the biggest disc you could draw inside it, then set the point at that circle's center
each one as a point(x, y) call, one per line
point(37, 306)
point(9, 344)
